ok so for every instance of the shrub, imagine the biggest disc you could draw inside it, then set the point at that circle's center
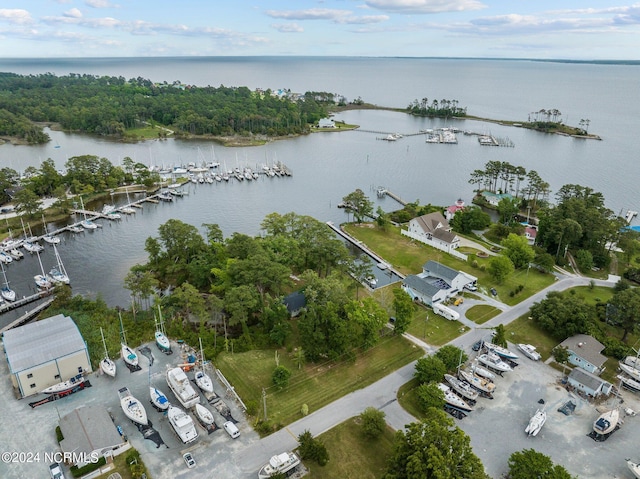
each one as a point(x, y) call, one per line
point(312, 448)
point(373, 423)
point(86, 469)
point(304, 410)
point(59, 435)
point(281, 377)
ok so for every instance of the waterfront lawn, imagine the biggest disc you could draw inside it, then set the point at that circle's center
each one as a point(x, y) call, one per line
point(351, 454)
point(481, 313)
point(315, 385)
point(434, 329)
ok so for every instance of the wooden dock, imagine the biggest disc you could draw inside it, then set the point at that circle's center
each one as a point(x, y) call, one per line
point(392, 195)
point(29, 315)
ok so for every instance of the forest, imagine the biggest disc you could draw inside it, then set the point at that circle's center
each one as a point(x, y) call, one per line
point(109, 106)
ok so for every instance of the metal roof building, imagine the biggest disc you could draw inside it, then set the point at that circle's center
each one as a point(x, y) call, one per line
point(45, 352)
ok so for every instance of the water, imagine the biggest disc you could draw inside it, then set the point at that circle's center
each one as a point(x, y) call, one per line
point(328, 166)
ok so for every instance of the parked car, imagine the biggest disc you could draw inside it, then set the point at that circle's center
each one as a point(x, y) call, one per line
point(56, 471)
point(189, 460)
point(477, 345)
point(471, 287)
point(231, 429)
point(493, 291)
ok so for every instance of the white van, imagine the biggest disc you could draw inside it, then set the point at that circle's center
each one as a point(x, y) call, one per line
point(231, 429)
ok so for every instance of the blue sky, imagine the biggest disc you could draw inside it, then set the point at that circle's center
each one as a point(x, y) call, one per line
point(583, 30)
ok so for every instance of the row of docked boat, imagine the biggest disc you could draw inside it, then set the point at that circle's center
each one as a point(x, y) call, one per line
point(630, 366)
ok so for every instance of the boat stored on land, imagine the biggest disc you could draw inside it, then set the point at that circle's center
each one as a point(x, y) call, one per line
point(630, 370)
point(493, 361)
point(65, 386)
point(179, 383)
point(452, 398)
point(536, 423)
point(106, 364)
point(480, 383)
point(204, 414)
point(158, 399)
point(480, 371)
point(529, 351)
point(629, 383)
point(182, 424)
point(634, 467)
point(131, 407)
point(279, 464)
point(462, 387)
point(606, 422)
point(500, 351)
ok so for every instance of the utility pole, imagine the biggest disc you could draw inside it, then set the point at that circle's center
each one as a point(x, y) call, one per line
point(264, 403)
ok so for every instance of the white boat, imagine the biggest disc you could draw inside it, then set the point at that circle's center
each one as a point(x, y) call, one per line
point(634, 467)
point(606, 422)
point(181, 386)
point(493, 361)
point(204, 381)
point(75, 229)
point(453, 399)
point(49, 238)
point(88, 224)
point(42, 281)
point(536, 423)
point(480, 371)
point(462, 387)
point(632, 361)
point(158, 399)
point(500, 351)
point(182, 424)
point(129, 355)
point(58, 273)
point(7, 293)
point(279, 464)
point(132, 408)
point(16, 254)
point(631, 371)
point(204, 414)
point(529, 351)
point(629, 383)
point(32, 247)
point(107, 365)
point(64, 386)
point(480, 383)
point(5, 258)
point(162, 341)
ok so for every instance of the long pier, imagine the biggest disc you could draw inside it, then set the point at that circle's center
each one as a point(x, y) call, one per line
point(26, 317)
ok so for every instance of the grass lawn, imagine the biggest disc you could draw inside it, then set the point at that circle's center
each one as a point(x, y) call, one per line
point(525, 330)
point(409, 400)
point(120, 466)
point(351, 455)
point(146, 132)
point(481, 313)
point(433, 328)
point(315, 385)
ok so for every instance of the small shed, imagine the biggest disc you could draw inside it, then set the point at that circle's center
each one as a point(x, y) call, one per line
point(588, 383)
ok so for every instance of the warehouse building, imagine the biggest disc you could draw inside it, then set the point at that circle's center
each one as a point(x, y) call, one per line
point(44, 353)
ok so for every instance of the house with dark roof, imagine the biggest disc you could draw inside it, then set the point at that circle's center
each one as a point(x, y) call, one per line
point(588, 383)
point(295, 303)
point(44, 353)
point(90, 433)
point(433, 229)
point(495, 198)
point(436, 283)
point(584, 351)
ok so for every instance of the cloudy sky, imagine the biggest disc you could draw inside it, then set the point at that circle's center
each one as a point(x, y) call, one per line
point(565, 29)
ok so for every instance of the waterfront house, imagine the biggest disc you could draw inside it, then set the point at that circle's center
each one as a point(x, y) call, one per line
point(326, 123)
point(588, 383)
point(494, 198)
point(451, 211)
point(584, 351)
point(530, 232)
point(89, 432)
point(433, 229)
point(436, 283)
point(44, 353)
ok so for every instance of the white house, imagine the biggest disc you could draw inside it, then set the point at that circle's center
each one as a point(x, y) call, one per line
point(588, 383)
point(433, 229)
point(326, 123)
point(494, 198)
point(436, 283)
point(451, 211)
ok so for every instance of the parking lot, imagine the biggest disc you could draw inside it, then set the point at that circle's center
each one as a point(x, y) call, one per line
point(496, 427)
point(28, 430)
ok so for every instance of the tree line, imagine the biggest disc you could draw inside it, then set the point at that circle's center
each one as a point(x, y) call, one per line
point(110, 105)
point(441, 109)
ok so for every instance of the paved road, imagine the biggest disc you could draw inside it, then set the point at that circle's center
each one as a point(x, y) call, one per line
point(383, 393)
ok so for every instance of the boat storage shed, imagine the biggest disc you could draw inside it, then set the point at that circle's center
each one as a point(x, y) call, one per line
point(44, 353)
point(89, 432)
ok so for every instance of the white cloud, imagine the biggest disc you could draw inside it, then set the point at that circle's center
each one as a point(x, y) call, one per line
point(287, 27)
point(73, 13)
point(333, 15)
point(425, 6)
point(15, 15)
point(100, 4)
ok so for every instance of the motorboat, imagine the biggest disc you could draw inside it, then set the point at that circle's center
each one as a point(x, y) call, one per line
point(493, 361)
point(606, 422)
point(182, 424)
point(462, 387)
point(632, 361)
point(132, 408)
point(205, 416)
point(536, 423)
point(158, 399)
point(453, 399)
point(75, 229)
point(629, 383)
point(65, 386)
point(107, 365)
point(279, 464)
point(478, 382)
point(204, 381)
point(483, 372)
point(529, 351)
point(129, 355)
point(630, 370)
point(500, 351)
point(16, 254)
point(180, 386)
point(634, 467)
point(5, 257)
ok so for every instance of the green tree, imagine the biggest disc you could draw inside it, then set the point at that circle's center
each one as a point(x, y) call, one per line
point(563, 315)
point(312, 448)
point(499, 338)
point(624, 310)
point(517, 249)
point(372, 422)
point(531, 464)
point(404, 309)
point(584, 260)
point(280, 377)
point(451, 356)
point(359, 205)
point(382, 219)
point(27, 202)
point(560, 354)
point(240, 302)
point(429, 395)
point(469, 219)
point(500, 267)
point(433, 449)
point(429, 369)
point(508, 210)
point(544, 261)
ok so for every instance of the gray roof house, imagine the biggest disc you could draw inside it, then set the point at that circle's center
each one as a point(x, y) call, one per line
point(436, 283)
point(89, 433)
point(584, 351)
point(295, 303)
point(44, 353)
point(588, 383)
point(434, 226)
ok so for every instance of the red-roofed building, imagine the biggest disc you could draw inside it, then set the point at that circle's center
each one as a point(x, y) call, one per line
point(530, 232)
point(453, 209)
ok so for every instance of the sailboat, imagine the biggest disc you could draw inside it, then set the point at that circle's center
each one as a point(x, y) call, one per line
point(158, 398)
point(30, 243)
point(127, 210)
point(205, 416)
point(58, 273)
point(48, 237)
point(86, 223)
point(107, 365)
point(202, 379)
point(129, 355)
point(161, 338)
point(7, 293)
point(132, 408)
point(42, 280)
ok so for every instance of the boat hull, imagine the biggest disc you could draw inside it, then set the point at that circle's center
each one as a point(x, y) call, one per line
point(500, 351)
point(634, 467)
point(204, 414)
point(204, 381)
point(108, 367)
point(64, 386)
point(494, 363)
point(481, 384)
point(129, 355)
point(158, 399)
point(462, 387)
point(631, 371)
point(606, 422)
point(281, 463)
point(536, 423)
point(132, 408)
point(529, 351)
point(162, 342)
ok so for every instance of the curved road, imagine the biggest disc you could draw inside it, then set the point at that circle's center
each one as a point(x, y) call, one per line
point(383, 393)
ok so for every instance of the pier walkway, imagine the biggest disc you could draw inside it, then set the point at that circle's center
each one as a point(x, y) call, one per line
point(26, 317)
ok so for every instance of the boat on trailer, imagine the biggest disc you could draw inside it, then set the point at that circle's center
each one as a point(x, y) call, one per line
point(132, 408)
point(279, 464)
point(536, 422)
